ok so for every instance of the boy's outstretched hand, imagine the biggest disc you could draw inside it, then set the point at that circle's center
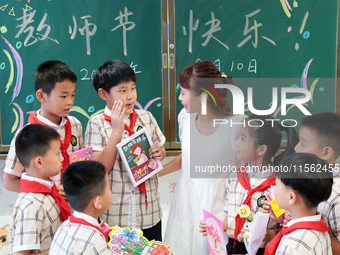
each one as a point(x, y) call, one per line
point(117, 117)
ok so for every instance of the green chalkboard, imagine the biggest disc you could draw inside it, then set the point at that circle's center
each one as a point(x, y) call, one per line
point(264, 44)
point(83, 34)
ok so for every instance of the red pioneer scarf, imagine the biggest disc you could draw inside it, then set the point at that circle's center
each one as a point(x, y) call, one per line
point(33, 119)
point(314, 225)
point(133, 119)
point(36, 187)
point(243, 179)
point(84, 222)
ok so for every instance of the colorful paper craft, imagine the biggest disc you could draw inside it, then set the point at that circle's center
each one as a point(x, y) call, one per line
point(132, 242)
point(215, 237)
point(83, 154)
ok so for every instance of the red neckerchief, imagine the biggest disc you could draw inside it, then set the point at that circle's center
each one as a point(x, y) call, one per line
point(314, 225)
point(84, 222)
point(243, 179)
point(133, 119)
point(36, 187)
point(33, 119)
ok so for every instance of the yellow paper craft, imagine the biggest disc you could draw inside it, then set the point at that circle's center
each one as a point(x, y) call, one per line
point(276, 209)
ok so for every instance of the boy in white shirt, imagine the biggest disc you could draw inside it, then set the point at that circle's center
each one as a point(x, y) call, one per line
point(39, 209)
point(299, 189)
point(87, 189)
point(55, 88)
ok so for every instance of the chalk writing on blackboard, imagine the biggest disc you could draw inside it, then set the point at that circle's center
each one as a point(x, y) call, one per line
point(86, 28)
point(249, 65)
point(123, 19)
point(89, 29)
point(255, 27)
point(27, 19)
point(214, 27)
point(215, 23)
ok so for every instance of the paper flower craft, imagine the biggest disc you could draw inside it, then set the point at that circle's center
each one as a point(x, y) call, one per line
point(244, 211)
point(125, 241)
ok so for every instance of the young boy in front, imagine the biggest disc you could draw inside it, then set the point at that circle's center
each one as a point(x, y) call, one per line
point(320, 135)
point(39, 209)
point(299, 189)
point(87, 189)
point(139, 207)
point(55, 87)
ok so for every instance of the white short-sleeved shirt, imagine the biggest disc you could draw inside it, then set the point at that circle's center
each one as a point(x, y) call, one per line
point(35, 220)
point(128, 207)
point(305, 241)
point(76, 143)
point(75, 238)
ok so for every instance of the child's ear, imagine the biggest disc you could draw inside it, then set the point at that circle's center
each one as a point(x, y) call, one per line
point(293, 196)
point(97, 202)
point(40, 95)
point(38, 162)
point(261, 150)
point(328, 154)
point(103, 94)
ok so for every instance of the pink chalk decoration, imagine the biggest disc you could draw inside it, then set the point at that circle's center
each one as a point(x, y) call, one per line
point(215, 237)
point(81, 155)
point(289, 29)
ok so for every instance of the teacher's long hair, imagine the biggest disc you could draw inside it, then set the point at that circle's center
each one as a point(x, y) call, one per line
point(201, 77)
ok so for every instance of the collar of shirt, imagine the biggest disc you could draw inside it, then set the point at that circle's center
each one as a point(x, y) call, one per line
point(86, 217)
point(48, 184)
point(307, 218)
point(108, 112)
point(50, 123)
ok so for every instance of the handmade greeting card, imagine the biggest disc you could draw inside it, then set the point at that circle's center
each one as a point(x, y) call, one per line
point(83, 154)
point(216, 241)
point(132, 242)
point(134, 152)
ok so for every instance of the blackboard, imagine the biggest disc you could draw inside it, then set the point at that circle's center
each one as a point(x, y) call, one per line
point(83, 34)
point(263, 44)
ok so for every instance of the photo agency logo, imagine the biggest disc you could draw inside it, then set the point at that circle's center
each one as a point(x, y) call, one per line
point(238, 104)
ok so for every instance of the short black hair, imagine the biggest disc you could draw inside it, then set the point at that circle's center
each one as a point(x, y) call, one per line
point(308, 175)
point(51, 72)
point(112, 73)
point(83, 181)
point(33, 140)
point(326, 125)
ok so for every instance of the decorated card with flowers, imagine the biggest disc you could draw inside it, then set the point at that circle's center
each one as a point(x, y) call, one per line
point(215, 234)
point(125, 241)
point(134, 152)
point(83, 154)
